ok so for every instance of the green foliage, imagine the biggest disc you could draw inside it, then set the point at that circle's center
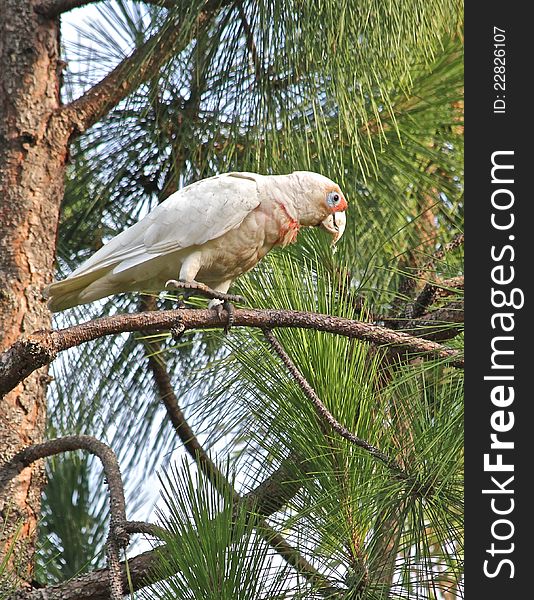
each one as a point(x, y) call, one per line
point(368, 93)
point(349, 502)
point(212, 550)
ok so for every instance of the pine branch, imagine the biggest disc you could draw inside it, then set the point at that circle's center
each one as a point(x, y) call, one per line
point(140, 573)
point(118, 537)
point(177, 418)
point(140, 66)
point(268, 497)
point(406, 309)
point(53, 8)
point(109, 583)
point(95, 585)
point(431, 291)
point(274, 492)
point(437, 325)
point(41, 348)
point(440, 324)
point(325, 415)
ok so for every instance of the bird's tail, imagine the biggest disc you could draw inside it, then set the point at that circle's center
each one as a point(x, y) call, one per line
point(73, 291)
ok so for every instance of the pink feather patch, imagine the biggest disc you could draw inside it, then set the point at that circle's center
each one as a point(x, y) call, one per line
point(289, 230)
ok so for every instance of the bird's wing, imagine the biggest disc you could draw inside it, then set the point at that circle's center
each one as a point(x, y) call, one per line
point(200, 212)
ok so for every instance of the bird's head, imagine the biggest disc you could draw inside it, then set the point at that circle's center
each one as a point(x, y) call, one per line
point(320, 202)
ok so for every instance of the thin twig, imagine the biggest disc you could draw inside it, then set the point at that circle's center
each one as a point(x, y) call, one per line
point(324, 414)
point(118, 537)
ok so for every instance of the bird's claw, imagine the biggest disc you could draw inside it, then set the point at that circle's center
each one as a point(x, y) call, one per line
point(192, 288)
point(187, 289)
point(227, 306)
point(188, 286)
point(177, 331)
point(219, 301)
point(218, 308)
point(230, 309)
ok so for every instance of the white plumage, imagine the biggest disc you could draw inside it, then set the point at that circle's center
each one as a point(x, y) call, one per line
point(210, 231)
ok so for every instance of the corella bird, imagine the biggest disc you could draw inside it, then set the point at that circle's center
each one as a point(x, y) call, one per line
point(206, 234)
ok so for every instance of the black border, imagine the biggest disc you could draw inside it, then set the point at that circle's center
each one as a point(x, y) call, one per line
point(485, 133)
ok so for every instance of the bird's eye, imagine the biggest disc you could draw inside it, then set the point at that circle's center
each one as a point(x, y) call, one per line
point(333, 198)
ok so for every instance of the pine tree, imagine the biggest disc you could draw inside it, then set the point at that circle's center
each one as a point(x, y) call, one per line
point(350, 489)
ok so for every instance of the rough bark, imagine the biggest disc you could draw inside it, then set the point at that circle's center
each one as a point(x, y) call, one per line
point(32, 164)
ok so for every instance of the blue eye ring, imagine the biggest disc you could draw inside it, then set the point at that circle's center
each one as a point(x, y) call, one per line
point(333, 198)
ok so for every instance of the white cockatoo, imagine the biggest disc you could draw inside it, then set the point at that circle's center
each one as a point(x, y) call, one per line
point(209, 232)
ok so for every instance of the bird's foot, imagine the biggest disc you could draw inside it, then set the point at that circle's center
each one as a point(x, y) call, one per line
point(187, 287)
point(185, 291)
point(177, 331)
point(219, 306)
point(200, 289)
point(219, 301)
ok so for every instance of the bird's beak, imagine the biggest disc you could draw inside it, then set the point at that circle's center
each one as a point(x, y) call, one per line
point(335, 225)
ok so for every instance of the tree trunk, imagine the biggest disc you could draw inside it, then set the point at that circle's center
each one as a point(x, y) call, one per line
point(33, 152)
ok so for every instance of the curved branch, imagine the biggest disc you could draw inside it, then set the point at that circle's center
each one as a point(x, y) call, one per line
point(140, 572)
point(96, 585)
point(42, 347)
point(29, 455)
point(118, 537)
